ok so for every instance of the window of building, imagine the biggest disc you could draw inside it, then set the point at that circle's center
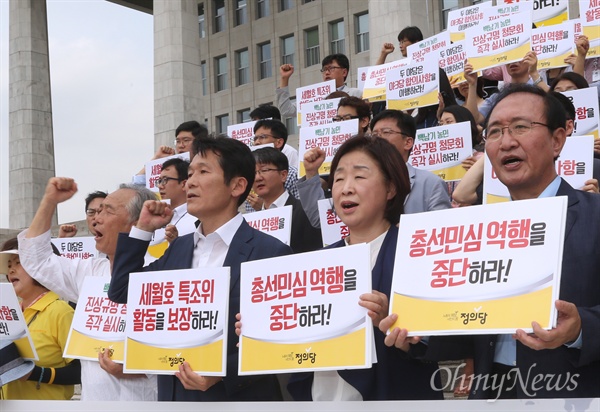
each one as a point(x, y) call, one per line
point(480, 1)
point(221, 73)
point(311, 39)
point(264, 56)
point(307, 1)
point(242, 64)
point(362, 32)
point(241, 12)
point(285, 4)
point(447, 6)
point(201, 21)
point(219, 8)
point(287, 50)
point(222, 123)
point(262, 8)
point(336, 37)
point(243, 115)
point(204, 78)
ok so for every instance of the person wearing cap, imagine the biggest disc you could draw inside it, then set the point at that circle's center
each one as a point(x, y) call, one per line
point(49, 321)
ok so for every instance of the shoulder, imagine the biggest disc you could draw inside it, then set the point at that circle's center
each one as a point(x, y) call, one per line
point(427, 178)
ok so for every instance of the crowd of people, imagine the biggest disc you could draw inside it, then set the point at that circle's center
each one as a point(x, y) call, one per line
point(521, 129)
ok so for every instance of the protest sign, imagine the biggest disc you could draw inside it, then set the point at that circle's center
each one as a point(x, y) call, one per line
point(374, 84)
point(465, 18)
point(312, 93)
point(98, 324)
point(276, 222)
point(176, 316)
point(505, 40)
point(301, 312)
point(244, 132)
point(12, 323)
point(553, 44)
point(319, 113)
point(586, 111)
point(441, 150)
point(332, 227)
point(83, 247)
point(452, 61)
point(545, 12)
point(589, 10)
point(484, 270)
point(414, 85)
point(328, 137)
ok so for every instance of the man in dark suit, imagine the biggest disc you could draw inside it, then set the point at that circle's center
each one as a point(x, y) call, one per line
point(524, 136)
point(271, 174)
point(219, 179)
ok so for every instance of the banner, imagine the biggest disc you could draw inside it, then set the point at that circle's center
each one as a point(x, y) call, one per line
point(320, 113)
point(452, 61)
point(301, 312)
point(553, 44)
point(586, 111)
point(502, 41)
point(414, 85)
point(154, 167)
point(98, 323)
point(328, 137)
point(442, 149)
point(244, 132)
point(176, 316)
point(431, 45)
point(589, 10)
point(312, 93)
point(332, 227)
point(575, 165)
point(488, 269)
point(276, 222)
point(465, 18)
point(82, 247)
point(374, 85)
point(12, 323)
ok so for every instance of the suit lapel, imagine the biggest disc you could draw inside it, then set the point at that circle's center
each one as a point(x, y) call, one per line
point(572, 213)
point(239, 251)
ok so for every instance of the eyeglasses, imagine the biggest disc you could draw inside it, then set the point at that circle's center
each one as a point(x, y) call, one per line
point(185, 141)
point(261, 172)
point(264, 136)
point(330, 68)
point(161, 181)
point(92, 212)
point(516, 128)
point(387, 133)
point(342, 118)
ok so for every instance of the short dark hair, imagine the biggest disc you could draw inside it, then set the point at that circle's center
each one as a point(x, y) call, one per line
point(553, 109)
point(363, 109)
point(405, 122)
point(276, 127)
point(567, 104)
point(235, 158)
point(196, 129)
point(337, 94)
point(270, 155)
point(94, 195)
point(577, 79)
point(340, 59)
point(462, 114)
point(181, 166)
point(390, 163)
point(411, 33)
point(265, 111)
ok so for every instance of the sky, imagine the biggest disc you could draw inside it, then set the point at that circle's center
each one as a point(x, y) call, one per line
point(101, 74)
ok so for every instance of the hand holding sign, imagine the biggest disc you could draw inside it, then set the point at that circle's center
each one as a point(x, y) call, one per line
point(192, 381)
point(397, 337)
point(567, 329)
point(154, 215)
point(377, 305)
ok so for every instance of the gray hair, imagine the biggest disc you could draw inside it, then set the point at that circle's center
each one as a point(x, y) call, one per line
point(134, 207)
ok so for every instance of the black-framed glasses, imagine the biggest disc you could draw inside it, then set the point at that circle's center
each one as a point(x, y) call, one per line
point(92, 212)
point(330, 68)
point(342, 118)
point(516, 128)
point(264, 136)
point(387, 133)
point(161, 181)
point(261, 172)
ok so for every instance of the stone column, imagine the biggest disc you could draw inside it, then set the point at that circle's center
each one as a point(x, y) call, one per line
point(31, 146)
point(177, 71)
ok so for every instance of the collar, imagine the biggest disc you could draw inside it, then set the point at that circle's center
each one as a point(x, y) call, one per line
point(551, 189)
point(179, 212)
point(42, 303)
point(341, 88)
point(280, 201)
point(226, 232)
